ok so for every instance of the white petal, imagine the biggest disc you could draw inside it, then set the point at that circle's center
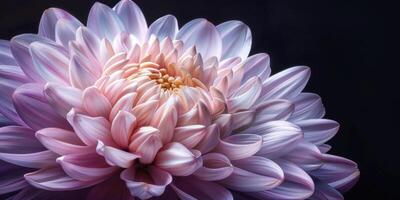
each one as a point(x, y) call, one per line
point(104, 21)
point(132, 18)
point(236, 39)
point(163, 27)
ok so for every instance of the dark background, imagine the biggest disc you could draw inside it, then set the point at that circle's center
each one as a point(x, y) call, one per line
point(348, 46)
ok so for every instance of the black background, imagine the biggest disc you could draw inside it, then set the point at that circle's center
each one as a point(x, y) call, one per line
point(348, 46)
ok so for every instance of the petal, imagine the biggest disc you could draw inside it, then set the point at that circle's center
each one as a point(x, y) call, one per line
point(306, 155)
point(65, 32)
point(122, 127)
point(165, 119)
point(6, 57)
point(132, 18)
point(90, 129)
point(63, 98)
point(60, 141)
point(215, 167)
point(31, 160)
point(257, 65)
point(50, 17)
point(34, 109)
point(55, 179)
point(178, 160)
point(236, 39)
point(210, 139)
point(240, 146)
point(50, 62)
point(86, 166)
point(245, 96)
point(146, 142)
point(318, 131)
point(166, 26)
point(297, 184)
point(279, 137)
point(190, 188)
point(286, 84)
point(203, 35)
point(11, 77)
point(307, 106)
point(11, 178)
point(116, 157)
point(254, 174)
point(80, 72)
point(146, 183)
point(95, 103)
point(324, 191)
point(272, 110)
point(337, 172)
point(190, 135)
point(104, 21)
point(103, 191)
point(17, 139)
point(19, 46)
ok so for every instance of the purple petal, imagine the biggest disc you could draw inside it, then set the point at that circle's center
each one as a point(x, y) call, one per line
point(11, 178)
point(307, 106)
point(257, 65)
point(190, 188)
point(306, 155)
point(34, 109)
point(236, 39)
point(166, 26)
point(104, 21)
point(61, 141)
point(318, 131)
point(272, 110)
point(63, 98)
point(215, 167)
point(50, 17)
point(324, 191)
point(132, 18)
point(6, 57)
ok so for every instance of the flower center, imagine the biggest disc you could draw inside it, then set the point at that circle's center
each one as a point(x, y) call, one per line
point(166, 81)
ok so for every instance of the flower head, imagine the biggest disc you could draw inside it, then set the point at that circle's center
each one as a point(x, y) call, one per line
point(117, 109)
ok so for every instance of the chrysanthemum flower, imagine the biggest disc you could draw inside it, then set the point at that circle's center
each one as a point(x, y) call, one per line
point(116, 109)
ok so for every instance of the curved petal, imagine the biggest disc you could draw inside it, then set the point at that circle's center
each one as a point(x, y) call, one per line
point(11, 77)
point(256, 65)
point(245, 96)
point(337, 172)
point(34, 109)
point(190, 188)
point(95, 103)
point(324, 191)
point(132, 18)
point(210, 139)
point(55, 179)
point(279, 137)
point(50, 61)
point(297, 184)
point(63, 98)
point(104, 21)
point(272, 110)
point(60, 141)
point(146, 183)
point(240, 146)
point(146, 142)
point(11, 178)
point(306, 155)
point(116, 157)
point(165, 119)
point(254, 174)
point(90, 129)
point(32, 160)
point(50, 17)
point(80, 73)
point(307, 106)
point(122, 127)
point(203, 35)
point(236, 39)
point(86, 166)
point(166, 26)
point(6, 57)
point(190, 135)
point(215, 167)
point(178, 160)
point(65, 32)
point(318, 131)
point(286, 84)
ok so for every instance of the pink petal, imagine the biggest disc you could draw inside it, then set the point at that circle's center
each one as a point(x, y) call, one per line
point(210, 139)
point(146, 142)
point(116, 157)
point(165, 119)
point(90, 129)
point(95, 103)
point(254, 174)
point(81, 76)
point(60, 141)
point(125, 103)
point(190, 135)
point(54, 179)
point(33, 107)
point(63, 98)
point(146, 183)
point(178, 160)
point(122, 127)
point(86, 166)
point(240, 146)
point(215, 167)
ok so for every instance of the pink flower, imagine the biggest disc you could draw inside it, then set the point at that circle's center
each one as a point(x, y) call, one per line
point(117, 109)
